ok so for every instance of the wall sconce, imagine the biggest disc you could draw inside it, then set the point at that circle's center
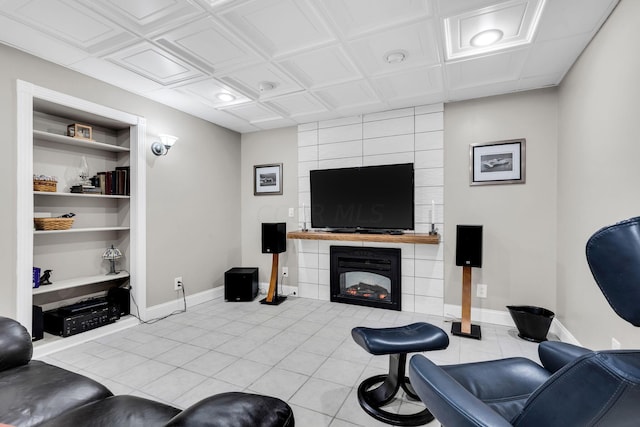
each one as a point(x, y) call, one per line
point(161, 148)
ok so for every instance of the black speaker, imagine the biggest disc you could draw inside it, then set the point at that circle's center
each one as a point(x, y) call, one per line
point(241, 284)
point(469, 246)
point(37, 323)
point(274, 237)
point(119, 297)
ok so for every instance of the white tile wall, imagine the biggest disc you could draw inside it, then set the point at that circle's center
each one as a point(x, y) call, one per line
point(407, 135)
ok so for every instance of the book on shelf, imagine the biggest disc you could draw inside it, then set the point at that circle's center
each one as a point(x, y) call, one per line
point(115, 182)
point(35, 278)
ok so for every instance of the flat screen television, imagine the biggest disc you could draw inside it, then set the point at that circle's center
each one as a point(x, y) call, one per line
point(369, 198)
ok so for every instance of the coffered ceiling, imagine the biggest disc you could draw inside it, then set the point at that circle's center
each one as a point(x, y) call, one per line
point(261, 64)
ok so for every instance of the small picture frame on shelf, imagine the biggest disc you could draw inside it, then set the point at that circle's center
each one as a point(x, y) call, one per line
point(267, 179)
point(76, 130)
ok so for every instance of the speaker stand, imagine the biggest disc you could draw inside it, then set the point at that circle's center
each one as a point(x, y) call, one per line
point(465, 328)
point(272, 295)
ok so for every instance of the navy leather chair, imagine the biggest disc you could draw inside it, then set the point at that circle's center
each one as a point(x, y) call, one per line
point(574, 386)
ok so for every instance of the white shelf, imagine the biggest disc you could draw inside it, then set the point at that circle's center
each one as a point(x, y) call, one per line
point(79, 281)
point(81, 230)
point(52, 343)
point(62, 139)
point(100, 196)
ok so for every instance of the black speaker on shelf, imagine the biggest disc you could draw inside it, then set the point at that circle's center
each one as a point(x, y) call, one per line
point(37, 323)
point(469, 246)
point(241, 284)
point(120, 298)
point(274, 237)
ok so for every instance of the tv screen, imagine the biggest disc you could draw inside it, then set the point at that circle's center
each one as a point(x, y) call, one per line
point(371, 197)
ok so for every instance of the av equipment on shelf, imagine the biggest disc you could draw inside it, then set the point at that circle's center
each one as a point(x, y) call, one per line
point(80, 317)
point(37, 326)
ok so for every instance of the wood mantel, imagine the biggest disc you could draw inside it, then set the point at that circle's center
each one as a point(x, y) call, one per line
point(410, 237)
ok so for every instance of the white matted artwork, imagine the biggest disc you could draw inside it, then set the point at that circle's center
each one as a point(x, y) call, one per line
point(267, 179)
point(501, 162)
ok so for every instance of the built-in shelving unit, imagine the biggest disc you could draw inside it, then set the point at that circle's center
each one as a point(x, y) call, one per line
point(101, 220)
point(408, 237)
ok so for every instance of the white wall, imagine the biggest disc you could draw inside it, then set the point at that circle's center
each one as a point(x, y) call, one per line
point(268, 147)
point(519, 220)
point(598, 176)
point(408, 135)
point(190, 192)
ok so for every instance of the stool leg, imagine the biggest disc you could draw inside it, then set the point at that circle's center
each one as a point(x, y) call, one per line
point(372, 399)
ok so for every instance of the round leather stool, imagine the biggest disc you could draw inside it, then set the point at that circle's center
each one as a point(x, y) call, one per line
point(396, 342)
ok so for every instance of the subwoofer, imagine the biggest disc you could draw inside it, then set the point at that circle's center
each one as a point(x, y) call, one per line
point(37, 324)
point(469, 246)
point(274, 237)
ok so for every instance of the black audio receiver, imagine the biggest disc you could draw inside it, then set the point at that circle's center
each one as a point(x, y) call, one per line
point(81, 317)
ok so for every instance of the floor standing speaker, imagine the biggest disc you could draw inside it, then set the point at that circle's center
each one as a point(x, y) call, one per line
point(469, 246)
point(241, 284)
point(274, 237)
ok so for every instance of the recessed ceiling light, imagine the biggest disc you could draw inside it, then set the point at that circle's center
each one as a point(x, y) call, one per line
point(396, 56)
point(225, 97)
point(486, 38)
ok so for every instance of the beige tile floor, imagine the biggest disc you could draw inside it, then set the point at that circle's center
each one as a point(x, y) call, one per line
point(300, 351)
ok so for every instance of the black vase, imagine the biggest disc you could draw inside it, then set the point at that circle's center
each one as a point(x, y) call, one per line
point(533, 323)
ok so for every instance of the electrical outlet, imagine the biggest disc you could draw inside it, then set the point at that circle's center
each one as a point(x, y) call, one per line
point(481, 290)
point(285, 271)
point(292, 212)
point(177, 283)
point(615, 344)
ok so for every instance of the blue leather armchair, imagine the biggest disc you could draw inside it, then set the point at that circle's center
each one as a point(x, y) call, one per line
point(574, 386)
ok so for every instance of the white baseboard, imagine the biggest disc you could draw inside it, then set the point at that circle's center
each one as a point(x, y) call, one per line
point(166, 308)
point(503, 318)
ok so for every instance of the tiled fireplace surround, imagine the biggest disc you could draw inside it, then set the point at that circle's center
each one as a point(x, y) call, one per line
point(407, 135)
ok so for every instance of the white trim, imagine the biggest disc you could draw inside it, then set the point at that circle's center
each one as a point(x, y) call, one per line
point(503, 318)
point(167, 308)
point(25, 94)
point(46, 348)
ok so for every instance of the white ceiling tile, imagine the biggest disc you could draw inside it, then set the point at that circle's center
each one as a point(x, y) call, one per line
point(207, 91)
point(355, 17)
point(15, 33)
point(208, 43)
point(278, 27)
point(411, 84)
point(254, 112)
point(250, 80)
point(146, 17)
point(71, 22)
point(299, 104)
point(517, 19)
point(116, 75)
point(154, 63)
point(486, 70)
point(549, 57)
point(418, 41)
point(322, 67)
point(560, 18)
point(348, 96)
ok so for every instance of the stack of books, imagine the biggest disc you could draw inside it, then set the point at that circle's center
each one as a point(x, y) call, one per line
point(114, 182)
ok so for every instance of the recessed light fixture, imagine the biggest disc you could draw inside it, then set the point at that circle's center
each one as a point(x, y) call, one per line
point(225, 97)
point(396, 56)
point(486, 38)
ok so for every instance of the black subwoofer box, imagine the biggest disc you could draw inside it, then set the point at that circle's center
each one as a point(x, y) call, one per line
point(241, 284)
point(469, 246)
point(274, 237)
point(120, 298)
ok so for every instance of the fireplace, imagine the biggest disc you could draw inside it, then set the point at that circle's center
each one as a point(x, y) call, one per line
point(365, 276)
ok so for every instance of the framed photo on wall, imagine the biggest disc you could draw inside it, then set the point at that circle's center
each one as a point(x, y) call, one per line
point(501, 162)
point(267, 179)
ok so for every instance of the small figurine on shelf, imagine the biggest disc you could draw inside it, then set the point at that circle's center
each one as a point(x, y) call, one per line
point(45, 279)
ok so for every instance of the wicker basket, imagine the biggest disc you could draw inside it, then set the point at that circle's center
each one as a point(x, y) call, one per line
point(43, 185)
point(53, 223)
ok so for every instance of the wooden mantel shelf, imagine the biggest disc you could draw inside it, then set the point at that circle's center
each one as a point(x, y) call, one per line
point(421, 238)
